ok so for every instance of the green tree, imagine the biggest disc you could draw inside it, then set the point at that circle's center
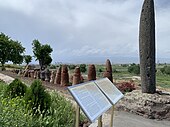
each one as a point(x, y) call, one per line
point(16, 54)
point(83, 67)
point(27, 59)
point(42, 53)
point(4, 49)
point(10, 50)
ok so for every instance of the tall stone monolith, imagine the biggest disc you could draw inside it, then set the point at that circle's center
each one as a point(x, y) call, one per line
point(147, 47)
point(76, 76)
point(58, 76)
point(91, 72)
point(64, 76)
point(108, 71)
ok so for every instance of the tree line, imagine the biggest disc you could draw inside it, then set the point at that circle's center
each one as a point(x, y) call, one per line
point(13, 51)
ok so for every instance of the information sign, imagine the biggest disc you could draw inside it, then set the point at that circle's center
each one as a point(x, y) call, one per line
point(109, 89)
point(91, 100)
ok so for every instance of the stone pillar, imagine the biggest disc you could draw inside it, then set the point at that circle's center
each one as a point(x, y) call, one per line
point(47, 75)
point(52, 77)
point(76, 76)
point(91, 72)
point(42, 75)
point(32, 73)
point(108, 72)
point(58, 76)
point(35, 74)
point(147, 47)
point(64, 76)
point(26, 73)
point(38, 75)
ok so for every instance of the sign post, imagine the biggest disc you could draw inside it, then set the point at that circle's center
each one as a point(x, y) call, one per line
point(100, 121)
point(95, 98)
point(112, 115)
point(77, 115)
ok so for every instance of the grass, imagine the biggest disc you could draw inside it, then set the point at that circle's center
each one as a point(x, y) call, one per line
point(14, 112)
point(163, 80)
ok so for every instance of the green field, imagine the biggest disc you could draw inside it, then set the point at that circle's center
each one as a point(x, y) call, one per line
point(120, 73)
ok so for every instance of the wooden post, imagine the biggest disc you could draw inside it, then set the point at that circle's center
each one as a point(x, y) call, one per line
point(100, 121)
point(112, 115)
point(77, 115)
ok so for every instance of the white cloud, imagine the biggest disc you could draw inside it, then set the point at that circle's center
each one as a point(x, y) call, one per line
point(83, 27)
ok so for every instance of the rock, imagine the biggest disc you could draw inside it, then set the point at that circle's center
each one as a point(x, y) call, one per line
point(108, 72)
point(58, 76)
point(91, 72)
point(76, 76)
point(42, 75)
point(64, 76)
point(147, 47)
point(47, 75)
point(153, 106)
point(52, 77)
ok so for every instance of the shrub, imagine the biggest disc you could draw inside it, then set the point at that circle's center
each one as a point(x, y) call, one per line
point(71, 66)
point(126, 87)
point(16, 88)
point(134, 68)
point(14, 114)
point(167, 70)
point(83, 67)
point(38, 99)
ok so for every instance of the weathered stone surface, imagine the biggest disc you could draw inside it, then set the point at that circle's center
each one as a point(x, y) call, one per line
point(108, 72)
point(26, 73)
point(76, 76)
point(38, 75)
point(147, 47)
point(153, 106)
point(52, 77)
point(91, 72)
point(31, 73)
point(42, 75)
point(47, 75)
point(64, 76)
point(58, 76)
point(35, 74)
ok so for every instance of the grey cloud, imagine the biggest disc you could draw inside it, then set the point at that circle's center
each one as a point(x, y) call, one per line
point(77, 28)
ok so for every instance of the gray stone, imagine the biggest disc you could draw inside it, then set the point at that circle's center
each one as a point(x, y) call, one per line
point(147, 47)
point(47, 75)
point(153, 106)
point(52, 77)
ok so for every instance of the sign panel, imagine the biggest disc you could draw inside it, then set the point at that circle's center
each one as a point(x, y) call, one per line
point(91, 100)
point(109, 89)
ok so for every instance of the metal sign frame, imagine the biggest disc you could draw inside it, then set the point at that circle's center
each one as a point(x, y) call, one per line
point(90, 99)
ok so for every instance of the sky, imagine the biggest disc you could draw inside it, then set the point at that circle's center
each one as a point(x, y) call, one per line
point(85, 31)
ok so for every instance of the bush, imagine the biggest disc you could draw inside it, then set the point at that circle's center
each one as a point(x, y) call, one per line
point(38, 99)
point(126, 87)
point(134, 68)
point(165, 70)
point(71, 66)
point(14, 114)
point(83, 67)
point(16, 88)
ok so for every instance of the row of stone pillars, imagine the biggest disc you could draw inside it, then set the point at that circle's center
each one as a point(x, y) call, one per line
point(61, 76)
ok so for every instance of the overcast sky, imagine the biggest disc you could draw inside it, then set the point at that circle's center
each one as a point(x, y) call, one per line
point(84, 30)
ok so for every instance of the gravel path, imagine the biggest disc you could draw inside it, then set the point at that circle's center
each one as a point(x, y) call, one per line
point(121, 119)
